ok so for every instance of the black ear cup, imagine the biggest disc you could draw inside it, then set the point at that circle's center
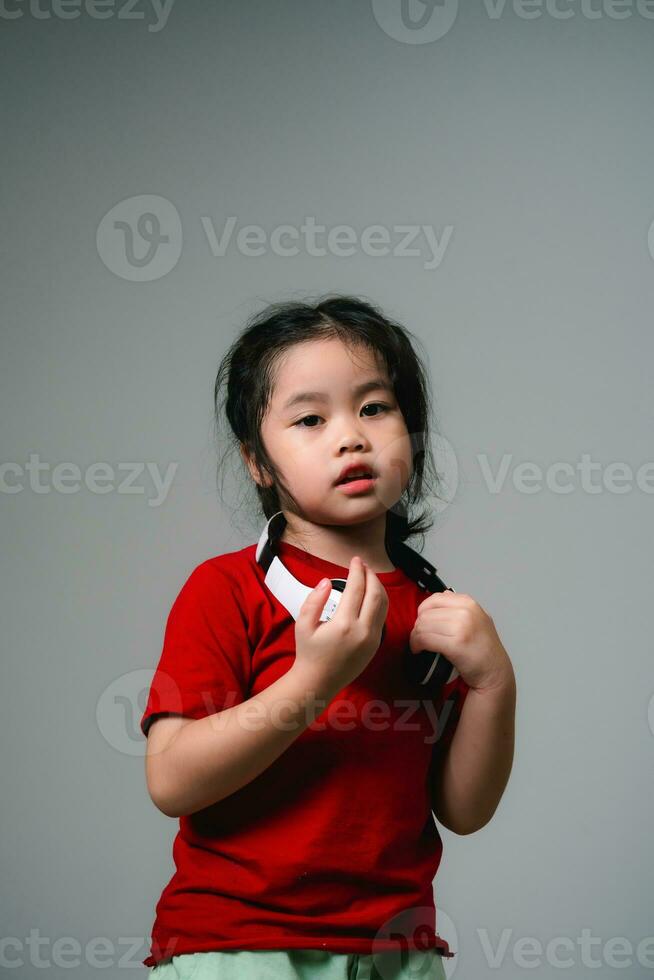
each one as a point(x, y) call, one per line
point(428, 670)
point(420, 670)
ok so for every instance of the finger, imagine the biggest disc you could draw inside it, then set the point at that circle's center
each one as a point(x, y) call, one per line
point(446, 645)
point(434, 617)
point(354, 590)
point(438, 630)
point(314, 603)
point(375, 598)
point(445, 599)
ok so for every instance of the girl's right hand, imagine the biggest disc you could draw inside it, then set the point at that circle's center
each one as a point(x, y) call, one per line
point(338, 650)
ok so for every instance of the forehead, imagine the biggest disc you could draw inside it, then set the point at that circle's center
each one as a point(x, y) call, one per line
point(323, 365)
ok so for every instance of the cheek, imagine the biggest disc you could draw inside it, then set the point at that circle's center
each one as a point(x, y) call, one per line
point(395, 455)
point(306, 470)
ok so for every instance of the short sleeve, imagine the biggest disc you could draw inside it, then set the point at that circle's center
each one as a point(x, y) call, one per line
point(204, 665)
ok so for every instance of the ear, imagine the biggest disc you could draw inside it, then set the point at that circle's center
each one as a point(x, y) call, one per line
point(255, 473)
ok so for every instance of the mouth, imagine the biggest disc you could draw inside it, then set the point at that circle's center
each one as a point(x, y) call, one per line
point(352, 477)
point(357, 482)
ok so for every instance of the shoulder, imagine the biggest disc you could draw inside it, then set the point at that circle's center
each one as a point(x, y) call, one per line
point(221, 577)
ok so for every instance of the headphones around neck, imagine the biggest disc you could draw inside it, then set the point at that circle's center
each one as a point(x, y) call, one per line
point(428, 669)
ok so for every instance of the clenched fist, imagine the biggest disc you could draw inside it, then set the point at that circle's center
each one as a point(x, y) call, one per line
point(453, 624)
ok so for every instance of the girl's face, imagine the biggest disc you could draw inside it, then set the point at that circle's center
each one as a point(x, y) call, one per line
point(318, 422)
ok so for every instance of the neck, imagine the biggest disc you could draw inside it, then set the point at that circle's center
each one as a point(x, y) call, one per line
point(339, 543)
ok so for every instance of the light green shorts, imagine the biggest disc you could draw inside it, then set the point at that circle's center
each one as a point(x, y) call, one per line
point(301, 964)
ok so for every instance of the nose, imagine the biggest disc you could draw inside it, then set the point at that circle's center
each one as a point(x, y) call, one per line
point(352, 444)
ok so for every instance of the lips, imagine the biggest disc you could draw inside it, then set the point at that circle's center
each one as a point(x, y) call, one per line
point(357, 474)
point(359, 468)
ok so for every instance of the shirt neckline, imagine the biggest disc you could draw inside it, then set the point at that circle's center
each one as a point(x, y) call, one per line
point(319, 567)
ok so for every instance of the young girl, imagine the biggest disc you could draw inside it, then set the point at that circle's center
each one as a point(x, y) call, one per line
point(304, 765)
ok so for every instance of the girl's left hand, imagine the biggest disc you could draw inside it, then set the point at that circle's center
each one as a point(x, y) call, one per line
point(453, 624)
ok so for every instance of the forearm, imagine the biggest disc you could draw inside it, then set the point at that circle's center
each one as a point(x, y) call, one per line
point(212, 757)
point(468, 782)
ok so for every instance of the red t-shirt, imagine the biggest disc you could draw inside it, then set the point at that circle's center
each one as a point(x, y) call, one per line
point(334, 846)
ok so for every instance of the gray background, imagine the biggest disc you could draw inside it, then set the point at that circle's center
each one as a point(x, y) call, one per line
point(533, 140)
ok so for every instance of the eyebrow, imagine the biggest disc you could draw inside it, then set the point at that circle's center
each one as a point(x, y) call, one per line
point(320, 396)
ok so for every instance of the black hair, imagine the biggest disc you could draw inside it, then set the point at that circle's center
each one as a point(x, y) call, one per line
point(246, 376)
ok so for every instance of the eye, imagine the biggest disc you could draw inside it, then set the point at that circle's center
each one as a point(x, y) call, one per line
point(385, 408)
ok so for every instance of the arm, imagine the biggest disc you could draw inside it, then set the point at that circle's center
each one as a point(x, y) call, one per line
point(468, 777)
point(209, 758)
